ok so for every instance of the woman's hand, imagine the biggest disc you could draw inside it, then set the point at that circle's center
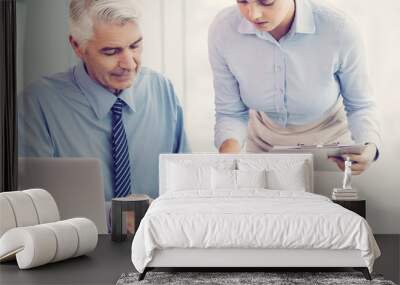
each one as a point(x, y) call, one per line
point(230, 146)
point(360, 162)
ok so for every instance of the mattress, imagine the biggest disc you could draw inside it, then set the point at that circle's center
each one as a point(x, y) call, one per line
point(251, 219)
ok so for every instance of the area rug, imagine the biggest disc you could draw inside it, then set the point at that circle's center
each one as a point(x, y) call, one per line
point(244, 278)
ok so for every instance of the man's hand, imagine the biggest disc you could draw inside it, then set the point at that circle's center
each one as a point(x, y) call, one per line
point(230, 146)
point(360, 162)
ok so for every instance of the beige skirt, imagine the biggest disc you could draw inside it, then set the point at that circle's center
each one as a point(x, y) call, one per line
point(263, 133)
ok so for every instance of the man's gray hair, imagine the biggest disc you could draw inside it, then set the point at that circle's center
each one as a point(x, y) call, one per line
point(83, 14)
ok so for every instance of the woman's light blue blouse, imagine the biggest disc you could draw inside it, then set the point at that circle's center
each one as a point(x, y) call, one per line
point(296, 80)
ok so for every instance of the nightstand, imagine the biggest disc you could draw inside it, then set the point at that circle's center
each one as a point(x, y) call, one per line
point(357, 206)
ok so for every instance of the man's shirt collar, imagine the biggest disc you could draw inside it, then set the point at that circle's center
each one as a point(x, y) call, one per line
point(100, 99)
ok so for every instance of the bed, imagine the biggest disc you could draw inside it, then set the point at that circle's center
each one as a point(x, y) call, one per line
point(247, 211)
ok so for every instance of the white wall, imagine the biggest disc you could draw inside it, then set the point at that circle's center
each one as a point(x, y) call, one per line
point(175, 43)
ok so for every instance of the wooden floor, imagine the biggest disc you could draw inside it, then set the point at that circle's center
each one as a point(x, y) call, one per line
point(110, 260)
point(389, 262)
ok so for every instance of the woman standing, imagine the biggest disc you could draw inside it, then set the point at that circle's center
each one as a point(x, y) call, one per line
point(289, 72)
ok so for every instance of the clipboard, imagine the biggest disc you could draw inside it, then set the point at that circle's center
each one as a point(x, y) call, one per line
point(321, 153)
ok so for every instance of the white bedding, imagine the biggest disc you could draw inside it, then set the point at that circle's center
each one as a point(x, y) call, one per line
point(251, 218)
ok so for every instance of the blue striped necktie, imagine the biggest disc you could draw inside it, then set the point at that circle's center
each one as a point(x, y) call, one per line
point(120, 154)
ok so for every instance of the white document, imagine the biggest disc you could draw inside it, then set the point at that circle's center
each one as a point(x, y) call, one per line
point(321, 153)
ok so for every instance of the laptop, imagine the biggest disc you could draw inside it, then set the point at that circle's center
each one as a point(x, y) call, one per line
point(76, 185)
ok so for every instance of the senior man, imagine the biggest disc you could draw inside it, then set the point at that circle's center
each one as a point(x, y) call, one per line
point(107, 106)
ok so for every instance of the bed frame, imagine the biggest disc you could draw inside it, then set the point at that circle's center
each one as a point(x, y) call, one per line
point(250, 259)
point(260, 259)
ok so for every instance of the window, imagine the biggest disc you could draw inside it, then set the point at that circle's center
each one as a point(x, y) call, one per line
point(182, 54)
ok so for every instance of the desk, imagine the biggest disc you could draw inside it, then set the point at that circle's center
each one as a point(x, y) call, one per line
point(102, 266)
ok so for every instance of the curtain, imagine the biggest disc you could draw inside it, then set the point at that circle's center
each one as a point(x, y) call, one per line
point(8, 108)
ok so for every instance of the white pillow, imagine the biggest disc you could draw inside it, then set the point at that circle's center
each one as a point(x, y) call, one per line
point(188, 177)
point(293, 180)
point(282, 174)
point(223, 179)
point(251, 178)
point(228, 179)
